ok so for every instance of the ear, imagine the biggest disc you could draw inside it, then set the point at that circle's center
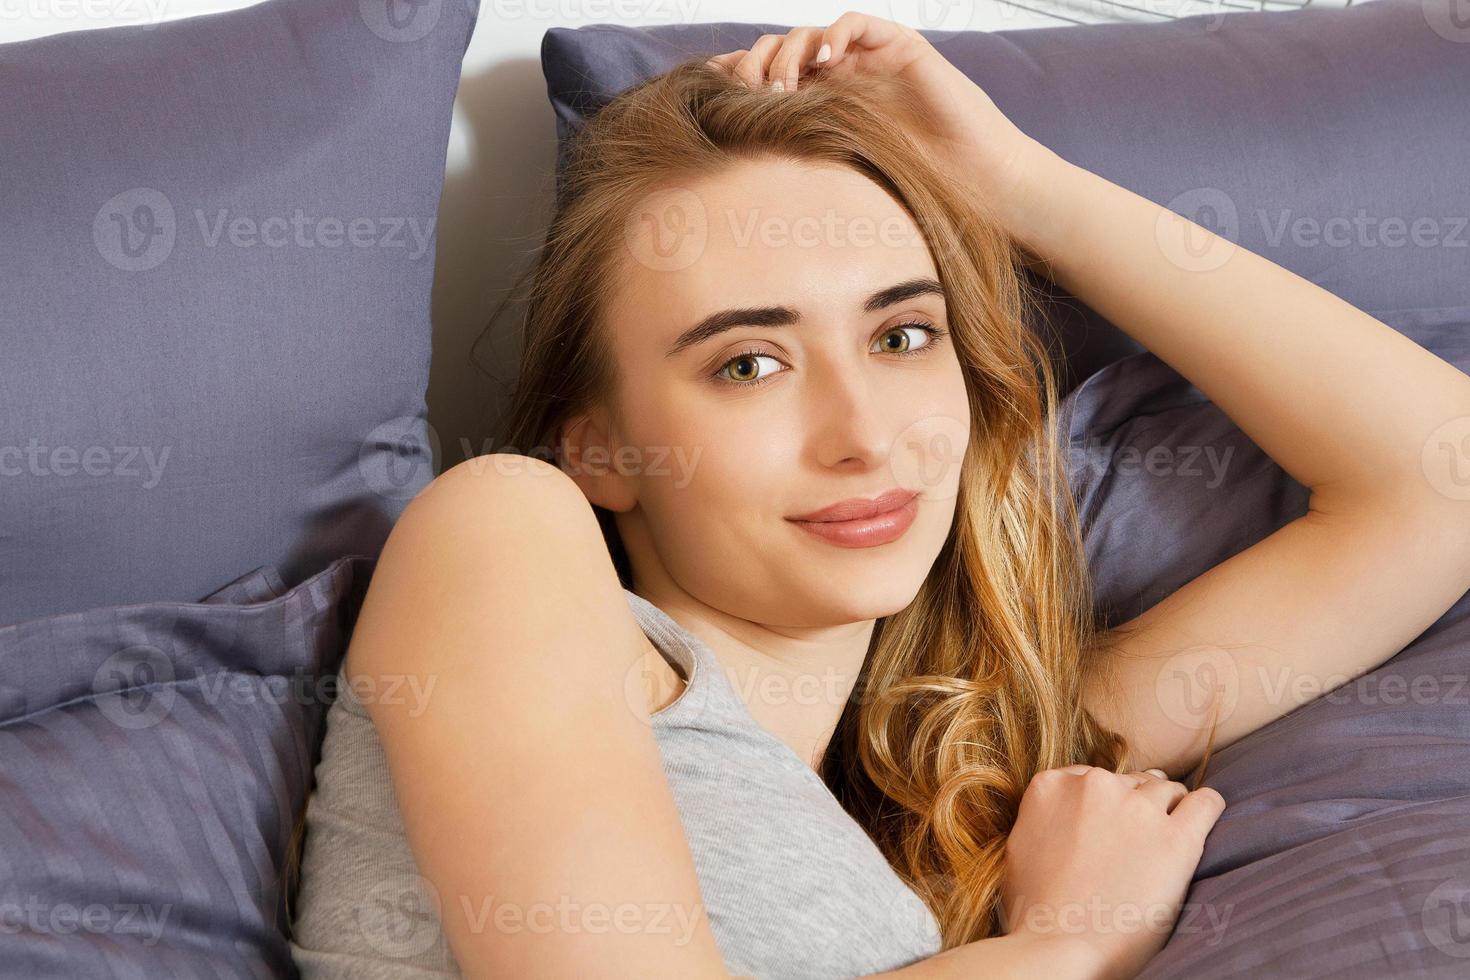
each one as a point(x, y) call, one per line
point(587, 451)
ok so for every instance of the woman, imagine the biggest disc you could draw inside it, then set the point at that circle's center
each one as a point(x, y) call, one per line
point(773, 743)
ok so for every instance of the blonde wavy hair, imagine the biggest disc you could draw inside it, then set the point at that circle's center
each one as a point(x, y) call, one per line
point(977, 684)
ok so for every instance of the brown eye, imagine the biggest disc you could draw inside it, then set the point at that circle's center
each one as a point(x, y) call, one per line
point(745, 369)
point(896, 339)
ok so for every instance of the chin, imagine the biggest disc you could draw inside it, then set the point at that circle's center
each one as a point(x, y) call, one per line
point(865, 597)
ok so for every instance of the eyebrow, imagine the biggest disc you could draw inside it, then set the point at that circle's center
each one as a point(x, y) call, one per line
point(781, 316)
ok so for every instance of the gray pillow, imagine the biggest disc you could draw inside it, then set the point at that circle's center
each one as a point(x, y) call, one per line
point(217, 244)
point(155, 758)
point(1345, 849)
point(1329, 140)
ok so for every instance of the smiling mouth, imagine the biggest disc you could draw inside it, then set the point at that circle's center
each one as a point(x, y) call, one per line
point(859, 508)
point(876, 527)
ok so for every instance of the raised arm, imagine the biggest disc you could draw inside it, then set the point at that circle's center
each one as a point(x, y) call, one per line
point(1377, 427)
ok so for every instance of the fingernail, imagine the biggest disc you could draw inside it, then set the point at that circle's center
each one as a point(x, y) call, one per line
point(823, 53)
point(778, 86)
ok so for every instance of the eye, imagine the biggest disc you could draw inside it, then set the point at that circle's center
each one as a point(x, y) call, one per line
point(903, 347)
point(743, 369)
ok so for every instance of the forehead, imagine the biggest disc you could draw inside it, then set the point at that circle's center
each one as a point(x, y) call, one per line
point(820, 238)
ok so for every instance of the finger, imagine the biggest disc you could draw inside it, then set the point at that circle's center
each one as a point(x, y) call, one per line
point(728, 59)
point(800, 45)
point(1199, 809)
point(1139, 777)
point(1077, 769)
point(855, 30)
point(1136, 778)
point(1162, 792)
point(751, 69)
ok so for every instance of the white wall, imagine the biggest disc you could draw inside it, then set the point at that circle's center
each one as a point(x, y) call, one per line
point(502, 147)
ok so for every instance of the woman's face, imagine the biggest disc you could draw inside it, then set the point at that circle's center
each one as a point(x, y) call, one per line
point(798, 395)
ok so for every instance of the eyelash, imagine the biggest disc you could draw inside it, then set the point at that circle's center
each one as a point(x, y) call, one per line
point(934, 333)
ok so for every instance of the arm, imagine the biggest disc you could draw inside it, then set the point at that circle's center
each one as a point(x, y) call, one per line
point(528, 775)
point(1374, 425)
point(1021, 955)
point(529, 783)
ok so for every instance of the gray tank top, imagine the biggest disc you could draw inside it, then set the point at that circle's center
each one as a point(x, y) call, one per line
point(793, 887)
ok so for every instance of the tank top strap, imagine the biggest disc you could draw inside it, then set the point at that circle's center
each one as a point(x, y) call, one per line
point(707, 696)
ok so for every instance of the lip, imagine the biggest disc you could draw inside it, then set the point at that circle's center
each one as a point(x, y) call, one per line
point(858, 508)
point(863, 523)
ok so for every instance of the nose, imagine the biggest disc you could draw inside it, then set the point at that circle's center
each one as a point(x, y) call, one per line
point(853, 419)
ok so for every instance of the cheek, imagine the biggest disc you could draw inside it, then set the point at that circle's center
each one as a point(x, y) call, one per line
point(715, 514)
point(741, 469)
point(733, 444)
point(928, 452)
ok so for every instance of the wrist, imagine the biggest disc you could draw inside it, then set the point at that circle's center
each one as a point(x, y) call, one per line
point(1066, 955)
point(1033, 202)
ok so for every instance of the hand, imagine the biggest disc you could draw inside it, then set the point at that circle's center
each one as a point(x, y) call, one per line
point(957, 121)
point(1105, 857)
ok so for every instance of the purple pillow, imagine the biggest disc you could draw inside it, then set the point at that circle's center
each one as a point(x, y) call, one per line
point(217, 244)
point(155, 759)
point(1344, 851)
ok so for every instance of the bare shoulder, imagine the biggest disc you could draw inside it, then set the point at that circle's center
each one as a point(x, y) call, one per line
point(512, 542)
point(503, 490)
point(496, 598)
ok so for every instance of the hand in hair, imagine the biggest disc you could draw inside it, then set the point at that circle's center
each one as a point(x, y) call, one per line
point(1104, 860)
point(951, 116)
